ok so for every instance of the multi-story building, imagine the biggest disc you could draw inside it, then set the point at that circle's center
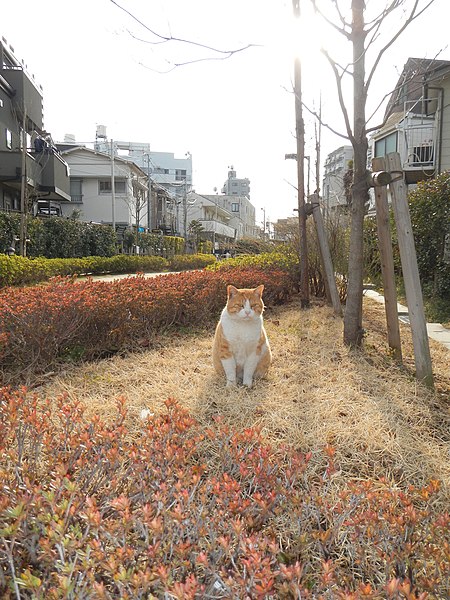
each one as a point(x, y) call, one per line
point(33, 175)
point(417, 120)
point(234, 186)
point(336, 165)
point(214, 218)
point(174, 174)
point(242, 214)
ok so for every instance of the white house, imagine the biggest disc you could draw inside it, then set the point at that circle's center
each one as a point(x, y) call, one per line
point(91, 176)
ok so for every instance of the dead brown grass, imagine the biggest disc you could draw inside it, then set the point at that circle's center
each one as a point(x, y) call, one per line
point(380, 420)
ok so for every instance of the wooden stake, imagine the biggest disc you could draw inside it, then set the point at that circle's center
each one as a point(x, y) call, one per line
point(410, 270)
point(387, 263)
point(326, 259)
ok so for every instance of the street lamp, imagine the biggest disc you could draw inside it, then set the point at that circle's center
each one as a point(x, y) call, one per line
point(264, 222)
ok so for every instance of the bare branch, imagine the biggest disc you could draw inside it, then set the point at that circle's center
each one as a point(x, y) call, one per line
point(385, 12)
point(322, 122)
point(340, 95)
point(318, 117)
point(396, 89)
point(342, 30)
point(170, 38)
point(197, 60)
point(412, 16)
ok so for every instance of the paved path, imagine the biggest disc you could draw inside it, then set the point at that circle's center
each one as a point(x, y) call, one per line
point(435, 330)
point(124, 276)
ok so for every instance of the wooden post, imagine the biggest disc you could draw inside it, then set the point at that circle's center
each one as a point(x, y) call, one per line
point(326, 259)
point(422, 357)
point(300, 135)
point(387, 262)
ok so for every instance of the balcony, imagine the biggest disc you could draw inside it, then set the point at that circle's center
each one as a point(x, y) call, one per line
point(11, 169)
point(47, 173)
point(210, 226)
point(55, 176)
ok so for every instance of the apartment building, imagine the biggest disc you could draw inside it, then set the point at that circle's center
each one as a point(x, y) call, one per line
point(336, 165)
point(417, 120)
point(33, 173)
point(164, 168)
point(234, 186)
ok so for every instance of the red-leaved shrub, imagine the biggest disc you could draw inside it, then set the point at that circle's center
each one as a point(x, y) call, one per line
point(89, 510)
point(42, 325)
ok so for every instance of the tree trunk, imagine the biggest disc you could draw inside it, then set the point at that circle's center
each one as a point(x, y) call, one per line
point(353, 332)
point(300, 134)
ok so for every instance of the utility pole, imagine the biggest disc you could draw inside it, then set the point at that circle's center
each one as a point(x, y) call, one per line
point(300, 133)
point(23, 191)
point(113, 190)
point(185, 211)
point(149, 196)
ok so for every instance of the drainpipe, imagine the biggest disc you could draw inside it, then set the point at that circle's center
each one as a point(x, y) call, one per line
point(427, 87)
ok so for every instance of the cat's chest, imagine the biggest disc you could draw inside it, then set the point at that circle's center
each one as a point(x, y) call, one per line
point(242, 337)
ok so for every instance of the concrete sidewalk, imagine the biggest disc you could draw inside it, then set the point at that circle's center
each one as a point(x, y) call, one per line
point(435, 330)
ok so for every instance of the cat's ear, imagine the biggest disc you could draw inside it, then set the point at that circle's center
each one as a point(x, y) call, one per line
point(259, 290)
point(231, 290)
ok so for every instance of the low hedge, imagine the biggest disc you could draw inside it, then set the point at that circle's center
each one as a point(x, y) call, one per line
point(17, 270)
point(41, 326)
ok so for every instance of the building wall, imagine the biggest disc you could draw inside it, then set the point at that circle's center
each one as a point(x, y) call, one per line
point(92, 167)
point(336, 165)
point(234, 186)
point(163, 167)
point(97, 207)
point(242, 211)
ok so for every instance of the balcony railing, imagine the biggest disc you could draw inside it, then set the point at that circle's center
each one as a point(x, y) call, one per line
point(218, 228)
point(419, 134)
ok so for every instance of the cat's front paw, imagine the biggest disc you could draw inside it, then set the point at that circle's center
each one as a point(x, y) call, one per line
point(231, 383)
point(248, 382)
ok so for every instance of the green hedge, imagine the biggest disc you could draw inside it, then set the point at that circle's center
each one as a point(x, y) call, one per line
point(17, 270)
point(58, 238)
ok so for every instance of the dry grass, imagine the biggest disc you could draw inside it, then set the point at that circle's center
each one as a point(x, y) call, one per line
point(380, 420)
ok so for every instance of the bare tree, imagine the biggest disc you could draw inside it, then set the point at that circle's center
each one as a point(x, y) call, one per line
point(362, 35)
point(137, 203)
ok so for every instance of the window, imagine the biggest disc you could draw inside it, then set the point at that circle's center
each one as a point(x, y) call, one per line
point(76, 190)
point(386, 145)
point(8, 138)
point(159, 171)
point(180, 174)
point(104, 187)
point(235, 207)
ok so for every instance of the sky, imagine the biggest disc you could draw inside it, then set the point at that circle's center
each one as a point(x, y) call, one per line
point(100, 66)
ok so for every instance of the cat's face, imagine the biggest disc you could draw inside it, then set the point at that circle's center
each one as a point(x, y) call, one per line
point(245, 304)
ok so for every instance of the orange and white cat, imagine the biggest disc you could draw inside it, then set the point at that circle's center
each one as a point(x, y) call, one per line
point(241, 349)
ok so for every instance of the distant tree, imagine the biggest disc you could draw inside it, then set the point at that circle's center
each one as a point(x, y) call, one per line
point(195, 230)
point(137, 205)
point(348, 183)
